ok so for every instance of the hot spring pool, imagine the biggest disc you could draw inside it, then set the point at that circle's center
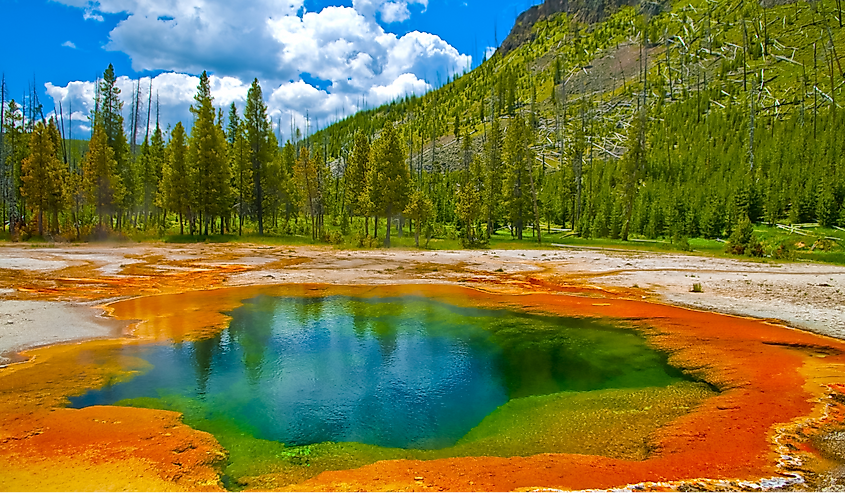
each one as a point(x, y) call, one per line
point(404, 377)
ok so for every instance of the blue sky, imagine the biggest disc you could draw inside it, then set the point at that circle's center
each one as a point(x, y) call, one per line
point(323, 58)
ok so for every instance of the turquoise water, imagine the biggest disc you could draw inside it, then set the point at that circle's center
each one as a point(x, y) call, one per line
point(394, 372)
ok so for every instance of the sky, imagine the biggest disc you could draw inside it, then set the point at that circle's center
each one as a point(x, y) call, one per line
point(320, 58)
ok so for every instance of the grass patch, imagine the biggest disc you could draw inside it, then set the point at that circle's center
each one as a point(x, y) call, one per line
point(816, 244)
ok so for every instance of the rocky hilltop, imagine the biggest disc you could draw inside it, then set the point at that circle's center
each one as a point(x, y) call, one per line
point(585, 10)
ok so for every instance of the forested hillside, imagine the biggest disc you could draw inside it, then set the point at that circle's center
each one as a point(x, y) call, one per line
point(675, 121)
point(659, 120)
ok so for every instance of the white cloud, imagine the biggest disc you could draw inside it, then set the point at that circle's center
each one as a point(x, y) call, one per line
point(389, 11)
point(489, 52)
point(90, 15)
point(403, 85)
point(394, 12)
point(261, 38)
point(347, 50)
point(173, 92)
point(77, 97)
point(298, 101)
point(224, 36)
point(69, 44)
point(342, 46)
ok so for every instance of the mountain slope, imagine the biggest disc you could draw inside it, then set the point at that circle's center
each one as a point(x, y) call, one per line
point(589, 11)
point(742, 117)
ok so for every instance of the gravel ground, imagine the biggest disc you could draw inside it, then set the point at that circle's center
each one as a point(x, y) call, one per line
point(28, 324)
point(33, 312)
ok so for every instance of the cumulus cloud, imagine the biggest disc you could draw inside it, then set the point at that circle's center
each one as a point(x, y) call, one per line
point(90, 15)
point(223, 36)
point(76, 97)
point(317, 63)
point(174, 94)
point(401, 86)
point(69, 44)
point(295, 102)
point(340, 45)
point(273, 40)
point(389, 11)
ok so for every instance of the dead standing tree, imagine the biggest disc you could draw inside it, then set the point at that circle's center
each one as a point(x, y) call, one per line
point(636, 158)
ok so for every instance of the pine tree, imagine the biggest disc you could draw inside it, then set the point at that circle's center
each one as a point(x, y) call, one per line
point(142, 163)
point(275, 181)
point(15, 150)
point(826, 206)
point(43, 175)
point(519, 160)
point(240, 158)
point(154, 170)
point(494, 175)
point(469, 205)
point(178, 176)
point(421, 211)
point(258, 131)
point(357, 172)
point(233, 126)
point(102, 183)
point(149, 164)
point(207, 157)
point(109, 115)
point(323, 186)
point(634, 165)
point(576, 152)
point(389, 178)
point(223, 177)
point(58, 198)
point(308, 183)
point(842, 216)
point(292, 197)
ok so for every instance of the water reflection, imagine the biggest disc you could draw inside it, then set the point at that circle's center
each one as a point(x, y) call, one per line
point(397, 372)
point(204, 351)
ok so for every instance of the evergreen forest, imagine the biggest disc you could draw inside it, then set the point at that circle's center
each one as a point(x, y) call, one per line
point(677, 123)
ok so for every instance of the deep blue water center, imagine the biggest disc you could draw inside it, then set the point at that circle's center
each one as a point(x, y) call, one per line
point(405, 372)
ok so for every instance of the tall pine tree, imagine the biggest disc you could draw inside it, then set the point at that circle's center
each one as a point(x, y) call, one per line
point(207, 155)
point(178, 176)
point(102, 182)
point(258, 132)
point(390, 178)
point(519, 160)
point(43, 175)
point(356, 190)
point(108, 113)
point(240, 157)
